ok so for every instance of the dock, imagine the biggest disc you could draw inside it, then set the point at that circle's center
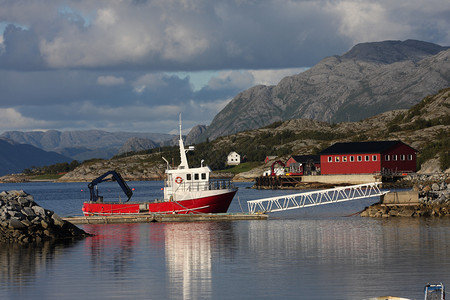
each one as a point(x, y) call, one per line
point(148, 218)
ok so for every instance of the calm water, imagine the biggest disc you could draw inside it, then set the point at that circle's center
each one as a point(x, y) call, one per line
point(315, 253)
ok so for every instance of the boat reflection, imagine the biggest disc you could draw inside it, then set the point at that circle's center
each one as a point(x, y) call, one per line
point(186, 248)
point(111, 249)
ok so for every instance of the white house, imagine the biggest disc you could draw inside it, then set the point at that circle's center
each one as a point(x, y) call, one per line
point(233, 159)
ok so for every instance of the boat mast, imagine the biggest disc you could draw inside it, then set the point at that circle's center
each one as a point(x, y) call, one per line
point(184, 162)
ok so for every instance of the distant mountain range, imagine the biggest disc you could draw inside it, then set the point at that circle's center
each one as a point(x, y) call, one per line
point(83, 145)
point(369, 79)
point(14, 157)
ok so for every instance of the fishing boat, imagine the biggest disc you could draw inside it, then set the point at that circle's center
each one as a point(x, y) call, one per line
point(186, 190)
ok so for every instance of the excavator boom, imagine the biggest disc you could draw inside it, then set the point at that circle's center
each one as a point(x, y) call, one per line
point(105, 177)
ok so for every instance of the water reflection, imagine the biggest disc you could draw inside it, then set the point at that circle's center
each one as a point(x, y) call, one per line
point(189, 252)
point(186, 248)
point(20, 264)
point(349, 253)
point(111, 249)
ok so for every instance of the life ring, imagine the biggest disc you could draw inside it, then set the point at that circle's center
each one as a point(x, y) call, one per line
point(178, 180)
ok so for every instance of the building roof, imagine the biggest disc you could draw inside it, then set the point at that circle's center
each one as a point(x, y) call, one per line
point(306, 158)
point(360, 147)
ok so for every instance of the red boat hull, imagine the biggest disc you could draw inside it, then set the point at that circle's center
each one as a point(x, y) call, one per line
point(211, 204)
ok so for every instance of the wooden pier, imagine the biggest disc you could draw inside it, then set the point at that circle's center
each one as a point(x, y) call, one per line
point(148, 218)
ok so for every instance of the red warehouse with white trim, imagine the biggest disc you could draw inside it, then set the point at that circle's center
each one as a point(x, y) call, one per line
point(368, 158)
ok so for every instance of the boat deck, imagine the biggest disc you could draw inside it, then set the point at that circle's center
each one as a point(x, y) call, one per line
point(147, 218)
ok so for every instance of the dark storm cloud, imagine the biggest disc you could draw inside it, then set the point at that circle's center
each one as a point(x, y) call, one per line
point(21, 50)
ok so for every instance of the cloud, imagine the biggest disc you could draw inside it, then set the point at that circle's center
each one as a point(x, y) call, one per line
point(198, 35)
point(12, 119)
point(368, 21)
point(136, 64)
point(273, 77)
point(110, 80)
point(227, 79)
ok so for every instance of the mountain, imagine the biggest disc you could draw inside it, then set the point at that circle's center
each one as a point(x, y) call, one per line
point(135, 144)
point(369, 79)
point(14, 157)
point(194, 134)
point(81, 145)
point(389, 52)
point(425, 127)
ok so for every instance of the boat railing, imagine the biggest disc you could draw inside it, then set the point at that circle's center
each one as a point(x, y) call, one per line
point(220, 184)
point(213, 184)
point(195, 186)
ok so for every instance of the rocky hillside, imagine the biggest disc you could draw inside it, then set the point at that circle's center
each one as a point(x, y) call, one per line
point(195, 133)
point(369, 79)
point(81, 145)
point(135, 144)
point(136, 167)
point(425, 127)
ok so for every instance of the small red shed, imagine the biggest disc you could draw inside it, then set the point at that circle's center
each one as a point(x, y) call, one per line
point(368, 158)
point(303, 164)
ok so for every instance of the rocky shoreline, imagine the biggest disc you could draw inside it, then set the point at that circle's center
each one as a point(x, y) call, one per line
point(433, 193)
point(23, 221)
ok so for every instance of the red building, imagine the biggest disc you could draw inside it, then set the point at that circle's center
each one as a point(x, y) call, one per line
point(303, 164)
point(368, 158)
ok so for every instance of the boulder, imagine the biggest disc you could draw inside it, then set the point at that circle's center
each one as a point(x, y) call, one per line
point(23, 221)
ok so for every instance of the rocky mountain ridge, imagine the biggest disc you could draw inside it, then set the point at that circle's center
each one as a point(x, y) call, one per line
point(423, 127)
point(82, 145)
point(369, 79)
point(136, 144)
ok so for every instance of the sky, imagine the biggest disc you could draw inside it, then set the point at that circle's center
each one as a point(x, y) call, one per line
point(119, 65)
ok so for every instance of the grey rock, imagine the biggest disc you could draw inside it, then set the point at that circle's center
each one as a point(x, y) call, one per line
point(25, 222)
point(435, 187)
point(39, 211)
point(44, 224)
point(57, 220)
point(29, 212)
point(15, 223)
point(23, 201)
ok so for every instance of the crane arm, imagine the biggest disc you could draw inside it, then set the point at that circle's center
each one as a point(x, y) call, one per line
point(93, 184)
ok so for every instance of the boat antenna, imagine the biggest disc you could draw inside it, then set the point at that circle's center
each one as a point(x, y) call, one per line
point(184, 162)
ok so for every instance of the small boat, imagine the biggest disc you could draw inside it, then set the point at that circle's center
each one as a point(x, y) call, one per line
point(186, 190)
point(434, 291)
